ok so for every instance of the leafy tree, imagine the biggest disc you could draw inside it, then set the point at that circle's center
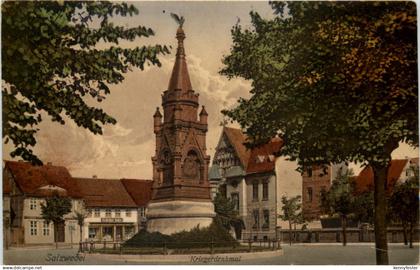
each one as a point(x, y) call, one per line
point(55, 54)
point(226, 214)
point(53, 210)
point(339, 199)
point(80, 221)
point(404, 204)
point(337, 81)
point(364, 207)
point(291, 212)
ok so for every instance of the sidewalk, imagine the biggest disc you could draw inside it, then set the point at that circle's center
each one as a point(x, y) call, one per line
point(43, 246)
point(186, 258)
point(340, 244)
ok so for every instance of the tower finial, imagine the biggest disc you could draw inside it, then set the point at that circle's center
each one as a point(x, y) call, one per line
point(180, 36)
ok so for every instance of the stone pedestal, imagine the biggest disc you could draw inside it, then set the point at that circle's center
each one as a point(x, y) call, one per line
point(169, 217)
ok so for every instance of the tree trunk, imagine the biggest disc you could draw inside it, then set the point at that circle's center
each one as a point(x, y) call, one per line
point(344, 227)
point(290, 233)
point(411, 234)
point(381, 244)
point(55, 235)
point(81, 239)
point(404, 225)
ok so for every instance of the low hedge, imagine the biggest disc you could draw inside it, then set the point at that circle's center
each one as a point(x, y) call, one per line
point(215, 235)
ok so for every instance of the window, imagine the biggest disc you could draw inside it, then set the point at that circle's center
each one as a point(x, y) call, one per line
point(256, 216)
point(34, 225)
point(266, 214)
point(255, 191)
point(108, 213)
point(309, 172)
point(89, 213)
point(265, 190)
point(117, 213)
point(235, 200)
point(97, 212)
point(128, 212)
point(32, 204)
point(46, 229)
point(142, 212)
point(93, 232)
point(309, 194)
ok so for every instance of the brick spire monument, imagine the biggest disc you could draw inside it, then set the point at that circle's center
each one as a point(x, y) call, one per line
point(181, 190)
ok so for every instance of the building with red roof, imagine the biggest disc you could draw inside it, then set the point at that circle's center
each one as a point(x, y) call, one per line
point(115, 208)
point(251, 178)
point(26, 188)
point(398, 172)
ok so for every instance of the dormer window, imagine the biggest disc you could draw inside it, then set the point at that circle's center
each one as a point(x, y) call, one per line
point(260, 159)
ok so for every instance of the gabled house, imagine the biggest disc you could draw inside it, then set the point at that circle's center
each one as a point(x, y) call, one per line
point(27, 187)
point(111, 213)
point(141, 193)
point(255, 179)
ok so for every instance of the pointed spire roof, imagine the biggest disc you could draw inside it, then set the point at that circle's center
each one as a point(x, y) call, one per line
point(203, 111)
point(180, 79)
point(157, 113)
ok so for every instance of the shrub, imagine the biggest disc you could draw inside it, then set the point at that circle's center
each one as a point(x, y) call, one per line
point(195, 238)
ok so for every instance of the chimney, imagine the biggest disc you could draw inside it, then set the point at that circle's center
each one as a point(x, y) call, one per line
point(49, 163)
point(94, 176)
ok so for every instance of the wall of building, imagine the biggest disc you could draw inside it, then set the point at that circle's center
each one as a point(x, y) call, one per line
point(41, 236)
point(261, 204)
point(93, 220)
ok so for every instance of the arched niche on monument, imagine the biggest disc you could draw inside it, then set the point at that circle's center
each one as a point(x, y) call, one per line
point(166, 167)
point(192, 166)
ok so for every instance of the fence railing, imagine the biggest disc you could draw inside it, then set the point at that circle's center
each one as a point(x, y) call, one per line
point(165, 248)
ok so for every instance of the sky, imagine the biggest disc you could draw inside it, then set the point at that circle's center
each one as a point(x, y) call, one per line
point(125, 149)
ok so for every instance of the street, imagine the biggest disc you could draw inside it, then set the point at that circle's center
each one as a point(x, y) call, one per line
point(297, 254)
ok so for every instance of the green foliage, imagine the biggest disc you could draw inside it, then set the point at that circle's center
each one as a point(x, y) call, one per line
point(147, 239)
point(202, 237)
point(336, 80)
point(364, 207)
point(55, 208)
point(291, 210)
point(226, 213)
point(340, 199)
point(404, 202)
point(195, 238)
point(53, 61)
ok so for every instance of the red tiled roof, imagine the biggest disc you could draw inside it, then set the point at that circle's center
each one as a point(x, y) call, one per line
point(36, 180)
point(104, 193)
point(262, 158)
point(139, 190)
point(237, 139)
point(364, 181)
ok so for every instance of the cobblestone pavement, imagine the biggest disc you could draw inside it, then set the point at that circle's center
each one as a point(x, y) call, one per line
point(297, 255)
